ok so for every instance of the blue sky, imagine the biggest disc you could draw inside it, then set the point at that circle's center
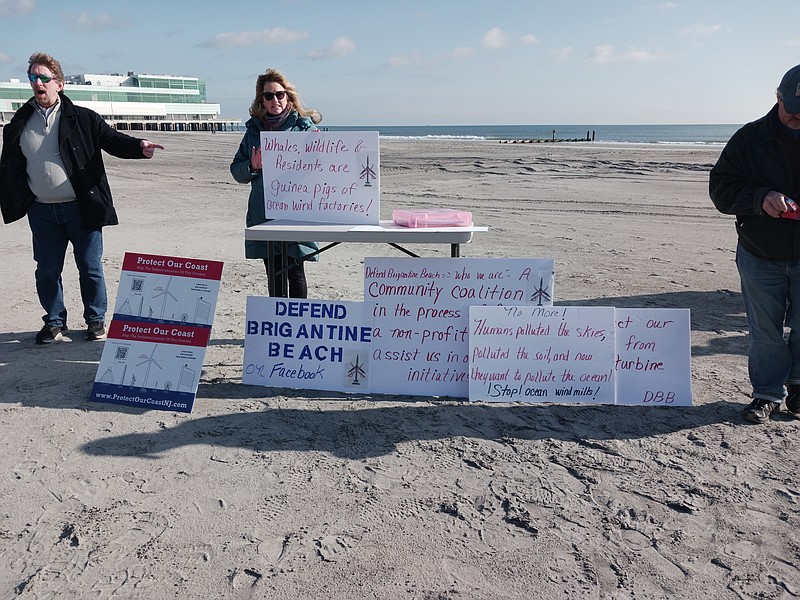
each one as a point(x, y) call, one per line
point(460, 62)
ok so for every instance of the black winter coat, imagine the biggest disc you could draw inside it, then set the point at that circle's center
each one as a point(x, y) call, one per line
point(752, 163)
point(81, 137)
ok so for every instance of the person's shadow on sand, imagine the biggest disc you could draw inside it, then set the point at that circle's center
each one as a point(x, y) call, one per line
point(373, 432)
point(376, 431)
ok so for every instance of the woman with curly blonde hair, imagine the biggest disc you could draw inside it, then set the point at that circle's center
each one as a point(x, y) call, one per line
point(276, 107)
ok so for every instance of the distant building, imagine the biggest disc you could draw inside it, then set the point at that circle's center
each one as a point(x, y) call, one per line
point(132, 101)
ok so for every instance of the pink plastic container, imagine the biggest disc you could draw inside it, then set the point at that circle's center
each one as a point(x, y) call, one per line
point(432, 217)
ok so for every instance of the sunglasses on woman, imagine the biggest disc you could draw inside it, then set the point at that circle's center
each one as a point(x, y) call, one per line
point(43, 78)
point(268, 96)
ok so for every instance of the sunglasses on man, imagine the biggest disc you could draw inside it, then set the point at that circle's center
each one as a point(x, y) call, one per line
point(43, 78)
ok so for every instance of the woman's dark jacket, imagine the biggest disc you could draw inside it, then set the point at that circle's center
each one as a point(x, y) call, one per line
point(754, 162)
point(82, 134)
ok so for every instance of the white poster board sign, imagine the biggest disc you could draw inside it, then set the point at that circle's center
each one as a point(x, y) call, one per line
point(322, 177)
point(653, 361)
point(315, 345)
point(542, 354)
point(421, 315)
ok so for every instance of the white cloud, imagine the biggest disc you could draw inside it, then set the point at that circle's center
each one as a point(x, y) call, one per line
point(12, 8)
point(530, 40)
point(668, 6)
point(408, 61)
point(462, 53)
point(86, 23)
point(700, 30)
point(606, 55)
point(266, 37)
point(5, 58)
point(562, 53)
point(791, 43)
point(494, 38)
point(341, 46)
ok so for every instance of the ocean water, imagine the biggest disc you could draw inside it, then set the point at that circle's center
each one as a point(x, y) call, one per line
point(636, 134)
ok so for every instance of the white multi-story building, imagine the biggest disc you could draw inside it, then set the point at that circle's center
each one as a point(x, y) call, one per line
point(133, 101)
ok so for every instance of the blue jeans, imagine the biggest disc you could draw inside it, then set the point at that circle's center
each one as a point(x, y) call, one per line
point(771, 293)
point(54, 226)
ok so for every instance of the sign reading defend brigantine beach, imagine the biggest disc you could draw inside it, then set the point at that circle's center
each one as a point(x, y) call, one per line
point(157, 339)
point(309, 344)
point(322, 177)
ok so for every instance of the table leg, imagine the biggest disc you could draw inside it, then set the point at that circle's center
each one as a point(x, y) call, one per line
point(270, 262)
point(455, 250)
point(285, 268)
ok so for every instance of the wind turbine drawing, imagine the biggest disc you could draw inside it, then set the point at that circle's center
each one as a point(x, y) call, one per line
point(150, 362)
point(366, 172)
point(164, 293)
point(540, 293)
point(356, 370)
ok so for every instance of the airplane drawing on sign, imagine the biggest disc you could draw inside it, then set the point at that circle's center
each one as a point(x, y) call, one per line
point(540, 293)
point(356, 371)
point(368, 172)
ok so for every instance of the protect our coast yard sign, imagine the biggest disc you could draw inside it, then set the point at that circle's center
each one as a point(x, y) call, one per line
point(158, 336)
point(321, 177)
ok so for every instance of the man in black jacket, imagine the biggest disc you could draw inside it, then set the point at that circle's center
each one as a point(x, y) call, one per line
point(51, 169)
point(757, 178)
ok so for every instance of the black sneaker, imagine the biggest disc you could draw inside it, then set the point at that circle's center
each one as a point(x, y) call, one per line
point(96, 331)
point(793, 399)
point(52, 333)
point(759, 410)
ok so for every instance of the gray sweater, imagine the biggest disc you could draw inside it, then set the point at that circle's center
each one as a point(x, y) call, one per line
point(47, 176)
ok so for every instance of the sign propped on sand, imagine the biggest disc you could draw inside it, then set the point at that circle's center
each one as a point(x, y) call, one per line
point(541, 354)
point(421, 315)
point(157, 339)
point(309, 344)
point(653, 362)
point(580, 354)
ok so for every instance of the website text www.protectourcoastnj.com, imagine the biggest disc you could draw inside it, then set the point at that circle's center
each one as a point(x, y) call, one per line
point(143, 401)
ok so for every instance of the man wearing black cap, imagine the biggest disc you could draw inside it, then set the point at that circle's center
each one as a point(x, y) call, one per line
point(757, 178)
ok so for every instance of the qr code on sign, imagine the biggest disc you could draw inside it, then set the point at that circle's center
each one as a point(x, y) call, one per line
point(136, 285)
point(121, 354)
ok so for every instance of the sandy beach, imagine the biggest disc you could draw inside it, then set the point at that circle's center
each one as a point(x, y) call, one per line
point(280, 493)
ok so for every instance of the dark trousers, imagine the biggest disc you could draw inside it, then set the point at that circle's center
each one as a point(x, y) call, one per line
point(297, 279)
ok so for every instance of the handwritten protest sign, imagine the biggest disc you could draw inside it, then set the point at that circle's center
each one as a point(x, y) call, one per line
point(322, 177)
point(157, 339)
point(316, 345)
point(541, 354)
point(421, 315)
point(653, 362)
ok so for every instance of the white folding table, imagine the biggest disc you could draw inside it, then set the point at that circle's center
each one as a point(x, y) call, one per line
point(282, 231)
